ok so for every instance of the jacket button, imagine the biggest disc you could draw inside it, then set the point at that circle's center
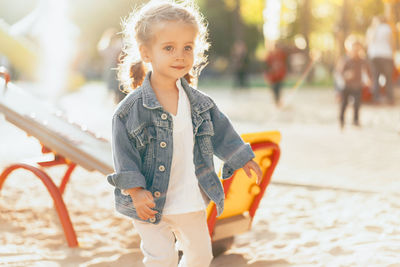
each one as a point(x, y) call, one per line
point(163, 144)
point(164, 116)
point(161, 168)
point(152, 220)
point(157, 194)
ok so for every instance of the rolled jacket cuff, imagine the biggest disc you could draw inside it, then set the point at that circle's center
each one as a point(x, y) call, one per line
point(127, 179)
point(237, 160)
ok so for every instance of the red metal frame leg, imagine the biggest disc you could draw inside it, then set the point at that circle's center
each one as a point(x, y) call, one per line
point(267, 175)
point(55, 194)
point(66, 177)
point(59, 160)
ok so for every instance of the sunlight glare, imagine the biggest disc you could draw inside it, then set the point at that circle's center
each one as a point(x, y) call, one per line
point(272, 13)
point(57, 45)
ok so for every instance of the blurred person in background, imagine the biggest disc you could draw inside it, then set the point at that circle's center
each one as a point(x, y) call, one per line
point(240, 64)
point(110, 47)
point(380, 53)
point(351, 69)
point(275, 71)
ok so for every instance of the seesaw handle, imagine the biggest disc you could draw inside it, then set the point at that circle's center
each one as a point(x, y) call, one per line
point(4, 72)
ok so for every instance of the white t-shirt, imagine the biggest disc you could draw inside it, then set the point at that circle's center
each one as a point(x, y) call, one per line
point(380, 42)
point(183, 194)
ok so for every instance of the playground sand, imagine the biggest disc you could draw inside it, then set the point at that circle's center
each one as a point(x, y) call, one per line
point(333, 200)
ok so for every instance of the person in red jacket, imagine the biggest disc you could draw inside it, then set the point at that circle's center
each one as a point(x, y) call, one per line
point(276, 71)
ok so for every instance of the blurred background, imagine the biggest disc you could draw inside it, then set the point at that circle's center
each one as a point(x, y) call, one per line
point(61, 39)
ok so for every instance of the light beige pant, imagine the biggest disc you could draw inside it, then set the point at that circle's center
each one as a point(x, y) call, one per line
point(191, 232)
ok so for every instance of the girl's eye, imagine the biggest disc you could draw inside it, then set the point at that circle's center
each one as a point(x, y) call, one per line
point(188, 48)
point(168, 48)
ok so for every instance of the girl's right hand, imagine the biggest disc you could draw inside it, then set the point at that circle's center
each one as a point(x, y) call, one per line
point(143, 202)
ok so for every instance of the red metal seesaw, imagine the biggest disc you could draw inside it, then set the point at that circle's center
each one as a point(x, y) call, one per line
point(55, 192)
point(70, 143)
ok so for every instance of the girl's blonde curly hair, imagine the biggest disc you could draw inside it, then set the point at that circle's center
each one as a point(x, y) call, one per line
point(137, 30)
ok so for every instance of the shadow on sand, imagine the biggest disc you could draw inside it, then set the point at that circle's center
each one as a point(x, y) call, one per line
point(240, 261)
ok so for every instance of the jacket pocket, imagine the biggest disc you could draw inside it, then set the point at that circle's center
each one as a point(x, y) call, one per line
point(143, 136)
point(145, 140)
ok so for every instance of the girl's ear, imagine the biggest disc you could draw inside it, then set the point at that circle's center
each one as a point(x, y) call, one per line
point(144, 53)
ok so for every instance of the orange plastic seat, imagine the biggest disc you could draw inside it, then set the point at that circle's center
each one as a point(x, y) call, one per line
point(242, 194)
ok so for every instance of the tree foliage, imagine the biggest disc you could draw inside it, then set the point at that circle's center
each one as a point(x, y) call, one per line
point(220, 16)
point(321, 23)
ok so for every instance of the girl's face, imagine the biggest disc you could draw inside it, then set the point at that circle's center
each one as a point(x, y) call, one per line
point(171, 49)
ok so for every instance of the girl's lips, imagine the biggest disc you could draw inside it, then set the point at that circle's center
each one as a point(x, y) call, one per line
point(178, 67)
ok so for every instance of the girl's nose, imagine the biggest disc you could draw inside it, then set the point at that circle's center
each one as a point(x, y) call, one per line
point(180, 55)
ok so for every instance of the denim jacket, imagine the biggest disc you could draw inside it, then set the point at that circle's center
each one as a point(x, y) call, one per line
point(142, 147)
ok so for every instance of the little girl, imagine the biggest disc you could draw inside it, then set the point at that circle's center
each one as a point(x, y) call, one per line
point(165, 134)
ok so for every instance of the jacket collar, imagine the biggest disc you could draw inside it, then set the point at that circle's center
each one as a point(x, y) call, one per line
point(149, 97)
point(198, 101)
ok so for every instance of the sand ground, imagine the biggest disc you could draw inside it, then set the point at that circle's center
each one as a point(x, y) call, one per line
point(334, 198)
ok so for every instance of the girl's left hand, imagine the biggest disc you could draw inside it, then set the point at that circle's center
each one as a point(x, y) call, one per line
point(252, 165)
